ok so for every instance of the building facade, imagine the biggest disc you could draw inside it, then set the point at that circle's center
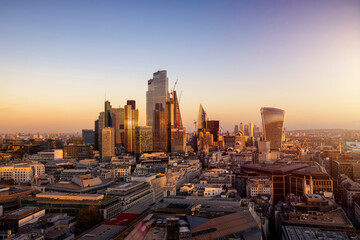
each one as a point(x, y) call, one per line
point(157, 93)
point(143, 139)
point(108, 143)
point(131, 121)
point(273, 122)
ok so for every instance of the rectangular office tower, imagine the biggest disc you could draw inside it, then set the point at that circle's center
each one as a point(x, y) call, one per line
point(118, 124)
point(273, 122)
point(143, 139)
point(131, 121)
point(156, 98)
point(160, 142)
point(99, 125)
point(157, 93)
point(214, 128)
point(108, 143)
point(88, 136)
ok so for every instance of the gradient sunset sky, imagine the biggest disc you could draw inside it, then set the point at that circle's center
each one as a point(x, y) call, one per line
point(58, 59)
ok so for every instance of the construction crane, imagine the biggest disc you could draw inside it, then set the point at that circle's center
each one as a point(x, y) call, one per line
point(173, 89)
point(180, 97)
point(178, 113)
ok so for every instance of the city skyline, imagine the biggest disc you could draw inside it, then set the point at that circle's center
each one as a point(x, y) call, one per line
point(57, 63)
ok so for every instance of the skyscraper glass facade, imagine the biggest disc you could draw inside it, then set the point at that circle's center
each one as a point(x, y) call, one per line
point(273, 122)
point(157, 93)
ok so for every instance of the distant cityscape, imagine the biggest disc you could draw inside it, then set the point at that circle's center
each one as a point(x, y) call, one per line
point(121, 180)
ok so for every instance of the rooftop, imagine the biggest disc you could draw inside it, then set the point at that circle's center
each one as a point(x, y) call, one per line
point(274, 168)
point(21, 213)
point(299, 233)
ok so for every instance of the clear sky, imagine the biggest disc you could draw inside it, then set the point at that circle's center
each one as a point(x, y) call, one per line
point(59, 58)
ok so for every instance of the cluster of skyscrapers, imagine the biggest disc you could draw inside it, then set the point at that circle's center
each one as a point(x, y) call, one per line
point(207, 136)
point(118, 128)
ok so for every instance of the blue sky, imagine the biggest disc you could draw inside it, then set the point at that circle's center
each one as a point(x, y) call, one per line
point(59, 58)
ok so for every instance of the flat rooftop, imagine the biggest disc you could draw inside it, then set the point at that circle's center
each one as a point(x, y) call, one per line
point(274, 168)
point(335, 217)
point(88, 195)
point(300, 233)
point(21, 212)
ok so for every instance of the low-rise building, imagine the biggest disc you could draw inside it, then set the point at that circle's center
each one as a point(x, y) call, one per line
point(77, 152)
point(45, 156)
point(356, 207)
point(294, 232)
point(58, 202)
point(258, 186)
point(52, 226)
point(348, 189)
point(14, 220)
point(198, 218)
point(80, 184)
point(121, 171)
point(310, 180)
point(68, 174)
point(156, 181)
point(23, 172)
point(314, 211)
point(186, 188)
point(123, 160)
point(10, 196)
point(207, 190)
point(209, 177)
point(131, 193)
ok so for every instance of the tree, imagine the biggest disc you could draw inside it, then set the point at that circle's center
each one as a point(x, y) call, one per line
point(87, 218)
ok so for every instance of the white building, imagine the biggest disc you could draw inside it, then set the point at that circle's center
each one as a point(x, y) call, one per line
point(207, 190)
point(21, 173)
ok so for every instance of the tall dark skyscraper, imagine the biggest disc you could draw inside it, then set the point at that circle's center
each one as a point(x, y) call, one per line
point(158, 92)
point(88, 136)
point(100, 125)
point(96, 127)
point(132, 103)
point(214, 128)
point(108, 114)
point(156, 114)
point(273, 122)
point(160, 129)
point(118, 124)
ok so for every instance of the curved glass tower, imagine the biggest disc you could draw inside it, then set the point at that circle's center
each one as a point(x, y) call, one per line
point(273, 122)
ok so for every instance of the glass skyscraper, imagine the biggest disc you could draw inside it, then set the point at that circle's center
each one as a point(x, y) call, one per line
point(157, 93)
point(273, 122)
point(156, 98)
point(201, 124)
point(130, 122)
